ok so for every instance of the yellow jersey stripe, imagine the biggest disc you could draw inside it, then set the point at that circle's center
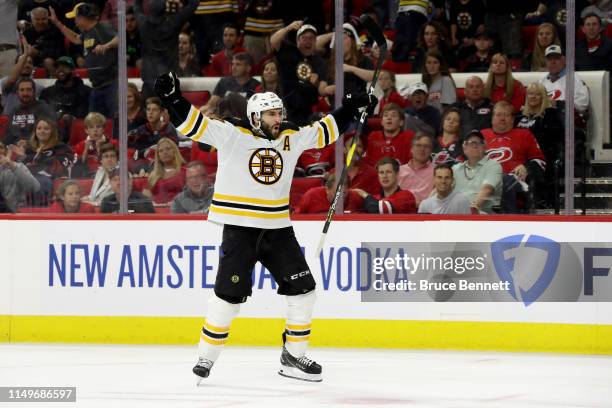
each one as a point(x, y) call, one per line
point(249, 200)
point(186, 128)
point(201, 131)
point(330, 126)
point(297, 327)
point(212, 328)
point(247, 213)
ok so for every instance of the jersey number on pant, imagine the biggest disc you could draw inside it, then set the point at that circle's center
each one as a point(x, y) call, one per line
point(266, 166)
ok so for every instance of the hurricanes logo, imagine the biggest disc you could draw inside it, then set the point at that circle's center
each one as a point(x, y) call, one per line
point(266, 166)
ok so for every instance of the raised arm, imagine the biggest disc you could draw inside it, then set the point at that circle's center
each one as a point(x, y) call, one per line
point(68, 33)
point(277, 38)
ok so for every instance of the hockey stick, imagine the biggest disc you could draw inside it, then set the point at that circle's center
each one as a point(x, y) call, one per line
point(377, 34)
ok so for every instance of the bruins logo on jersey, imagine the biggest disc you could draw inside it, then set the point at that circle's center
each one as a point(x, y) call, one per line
point(266, 166)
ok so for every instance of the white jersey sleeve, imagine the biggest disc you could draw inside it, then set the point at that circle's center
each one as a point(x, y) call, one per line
point(319, 134)
point(200, 128)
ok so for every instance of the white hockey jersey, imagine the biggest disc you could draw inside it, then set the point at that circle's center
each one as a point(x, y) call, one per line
point(556, 91)
point(254, 174)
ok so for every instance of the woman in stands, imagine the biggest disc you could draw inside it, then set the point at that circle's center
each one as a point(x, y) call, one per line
point(546, 124)
point(167, 178)
point(448, 147)
point(188, 64)
point(270, 78)
point(135, 108)
point(433, 36)
point(546, 35)
point(68, 199)
point(435, 74)
point(386, 82)
point(46, 157)
point(501, 84)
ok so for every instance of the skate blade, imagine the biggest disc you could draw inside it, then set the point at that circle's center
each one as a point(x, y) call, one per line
point(200, 381)
point(296, 374)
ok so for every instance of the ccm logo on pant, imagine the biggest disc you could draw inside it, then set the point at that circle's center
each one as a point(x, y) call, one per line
point(299, 275)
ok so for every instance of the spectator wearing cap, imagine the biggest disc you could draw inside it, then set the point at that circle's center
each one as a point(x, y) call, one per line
point(466, 20)
point(137, 202)
point(69, 96)
point(546, 34)
point(28, 110)
point(594, 52)
point(475, 110)
point(99, 42)
point(416, 176)
point(554, 80)
point(391, 199)
point(22, 69)
point(9, 36)
point(46, 40)
point(208, 21)
point(478, 177)
point(420, 116)
point(358, 70)
point(240, 82)
point(446, 198)
point(197, 194)
point(392, 140)
point(480, 58)
point(159, 33)
point(221, 62)
point(302, 69)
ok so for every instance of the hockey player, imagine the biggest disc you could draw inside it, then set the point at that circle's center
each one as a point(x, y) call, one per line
point(251, 200)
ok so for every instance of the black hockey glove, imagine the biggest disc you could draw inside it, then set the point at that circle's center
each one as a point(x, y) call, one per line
point(356, 103)
point(168, 88)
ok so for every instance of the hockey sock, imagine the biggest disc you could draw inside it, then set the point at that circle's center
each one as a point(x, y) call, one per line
point(216, 327)
point(297, 327)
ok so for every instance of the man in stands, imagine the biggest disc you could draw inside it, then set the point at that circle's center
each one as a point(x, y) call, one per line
point(422, 117)
point(198, 192)
point(446, 200)
point(554, 80)
point(479, 177)
point(25, 114)
point(594, 52)
point(391, 141)
point(318, 199)
point(15, 180)
point(100, 43)
point(359, 174)
point(220, 63)
point(391, 199)
point(516, 149)
point(137, 202)
point(69, 96)
point(240, 82)
point(301, 69)
point(476, 110)
point(416, 176)
point(24, 68)
point(46, 40)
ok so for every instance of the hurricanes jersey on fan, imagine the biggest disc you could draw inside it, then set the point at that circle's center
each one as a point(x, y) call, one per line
point(254, 173)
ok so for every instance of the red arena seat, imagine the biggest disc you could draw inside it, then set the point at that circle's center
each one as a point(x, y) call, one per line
point(299, 186)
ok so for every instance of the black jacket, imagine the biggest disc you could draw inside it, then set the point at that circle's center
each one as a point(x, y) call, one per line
point(73, 99)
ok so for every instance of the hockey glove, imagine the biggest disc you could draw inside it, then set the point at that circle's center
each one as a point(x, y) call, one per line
point(168, 88)
point(356, 103)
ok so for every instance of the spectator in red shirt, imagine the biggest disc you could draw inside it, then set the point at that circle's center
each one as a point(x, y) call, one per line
point(88, 151)
point(515, 149)
point(391, 199)
point(386, 82)
point(68, 199)
point(360, 174)
point(167, 179)
point(391, 141)
point(318, 199)
point(221, 62)
point(501, 85)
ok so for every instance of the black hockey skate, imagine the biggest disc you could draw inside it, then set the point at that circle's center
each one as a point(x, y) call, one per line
point(301, 368)
point(202, 368)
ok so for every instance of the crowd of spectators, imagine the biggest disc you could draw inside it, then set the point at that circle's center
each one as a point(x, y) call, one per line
point(433, 148)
